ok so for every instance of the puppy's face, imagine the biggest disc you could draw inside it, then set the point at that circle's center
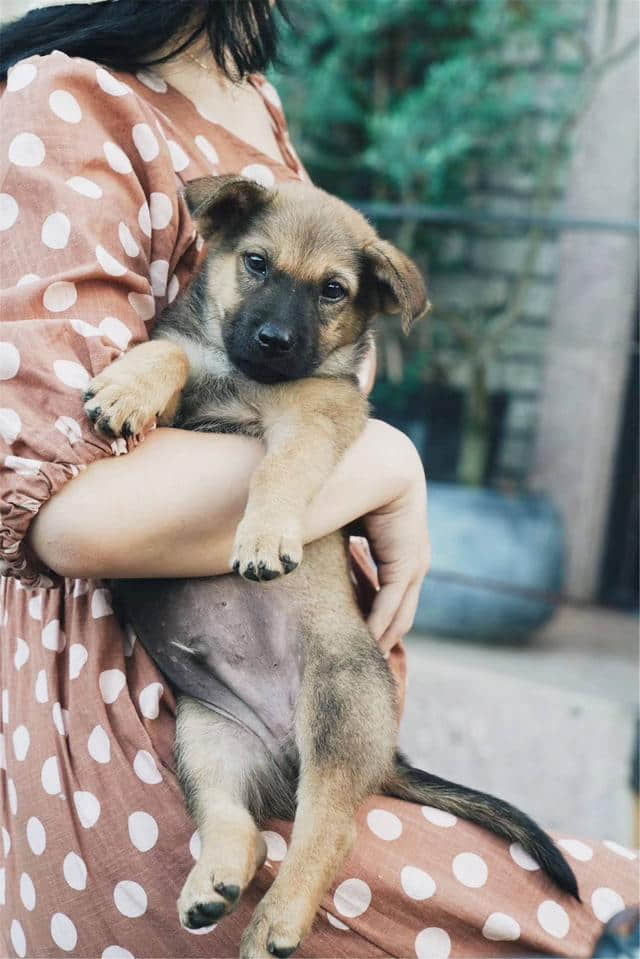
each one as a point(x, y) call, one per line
point(295, 277)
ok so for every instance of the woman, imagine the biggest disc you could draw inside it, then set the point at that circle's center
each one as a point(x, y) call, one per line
point(97, 240)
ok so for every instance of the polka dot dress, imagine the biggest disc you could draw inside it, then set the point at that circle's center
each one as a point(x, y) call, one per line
point(96, 842)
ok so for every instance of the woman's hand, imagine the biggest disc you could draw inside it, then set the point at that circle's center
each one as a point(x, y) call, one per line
point(399, 540)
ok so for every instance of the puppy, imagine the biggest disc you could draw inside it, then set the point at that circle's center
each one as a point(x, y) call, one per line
point(292, 706)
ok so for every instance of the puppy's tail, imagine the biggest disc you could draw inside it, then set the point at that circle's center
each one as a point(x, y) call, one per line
point(498, 816)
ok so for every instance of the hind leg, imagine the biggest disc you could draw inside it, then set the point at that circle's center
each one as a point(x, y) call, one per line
point(216, 759)
point(345, 731)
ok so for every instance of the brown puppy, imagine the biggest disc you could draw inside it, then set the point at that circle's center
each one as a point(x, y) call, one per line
point(267, 342)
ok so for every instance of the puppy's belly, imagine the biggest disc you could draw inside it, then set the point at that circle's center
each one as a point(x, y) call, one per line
point(231, 644)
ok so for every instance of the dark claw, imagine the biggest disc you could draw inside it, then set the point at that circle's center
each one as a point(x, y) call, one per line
point(280, 951)
point(127, 432)
point(204, 914)
point(105, 427)
point(250, 573)
point(94, 413)
point(236, 566)
point(88, 396)
point(289, 565)
point(231, 893)
point(265, 573)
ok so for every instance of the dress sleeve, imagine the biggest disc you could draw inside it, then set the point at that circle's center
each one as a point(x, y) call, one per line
point(95, 242)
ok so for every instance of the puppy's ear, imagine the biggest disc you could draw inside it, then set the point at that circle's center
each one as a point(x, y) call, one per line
point(224, 204)
point(401, 287)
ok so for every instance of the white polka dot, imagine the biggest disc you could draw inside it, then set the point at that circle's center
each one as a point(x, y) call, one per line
point(63, 932)
point(417, 883)
point(432, 943)
point(36, 836)
point(27, 279)
point(173, 289)
point(21, 742)
point(499, 926)
point(111, 683)
point(143, 831)
point(276, 845)
point(81, 588)
point(20, 76)
point(75, 871)
point(65, 106)
point(144, 766)
point(53, 638)
point(207, 149)
point(619, 850)
point(3, 753)
point(199, 242)
point(27, 892)
point(179, 158)
point(195, 846)
point(161, 210)
point(110, 84)
point(553, 919)
point(109, 263)
point(438, 817)
point(5, 706)
point(85, 187)
point(9, 361)
point(60, 296)
point(579, 850)
point(18, 940)
point(100, 605)
point(145, 141)
point(13, 796)
point(159, 274)
point(6, 842)
point(117, 158)
point(271, 94)
point(26, 149)
point(56, 230)
point(259, 173)
point(60, 719)
point(99, 745)
point(130, 899)
point(522, 858)
point(383, 824)
point(50, 776)
point(78, 656)
point(606, 903)
point(470, 869)
point(22, 466)
point(157, 84)
point(352, 898)
point(8, 211)
point(69, 428)
point(144, 219)
point(87, 808)
point(120, 334)
point(21, 655)
point(42, 691)
point(117, 952)
point(143, 304)
point(149, 700)
point(129, 244)
point(10, 425)
point(336, 923)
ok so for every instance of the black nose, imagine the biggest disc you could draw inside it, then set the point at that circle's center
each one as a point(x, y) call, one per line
point(274, 339)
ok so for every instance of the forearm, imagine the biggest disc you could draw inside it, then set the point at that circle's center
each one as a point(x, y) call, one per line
point(171, 506)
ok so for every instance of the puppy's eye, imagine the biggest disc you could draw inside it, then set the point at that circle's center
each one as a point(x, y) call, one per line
point(333, 291)
point(255, 263)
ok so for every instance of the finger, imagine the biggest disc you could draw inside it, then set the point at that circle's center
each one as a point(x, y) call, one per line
point(403, 620)
point(384, 608)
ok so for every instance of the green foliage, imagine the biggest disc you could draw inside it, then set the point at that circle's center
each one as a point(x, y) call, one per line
point(407, 100)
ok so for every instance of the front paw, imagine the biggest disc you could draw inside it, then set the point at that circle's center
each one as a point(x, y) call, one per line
point(117, 408)
point(263, 553)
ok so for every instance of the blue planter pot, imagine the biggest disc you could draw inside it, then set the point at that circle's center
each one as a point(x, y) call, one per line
point(489, 537)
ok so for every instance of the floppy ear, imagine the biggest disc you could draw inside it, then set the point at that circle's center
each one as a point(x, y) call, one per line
point(224, 204)
point(400, 284)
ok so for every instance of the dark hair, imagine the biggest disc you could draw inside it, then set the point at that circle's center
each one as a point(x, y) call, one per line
point(127, 34)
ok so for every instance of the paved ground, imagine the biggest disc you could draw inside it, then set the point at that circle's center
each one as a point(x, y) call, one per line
point(548, 725)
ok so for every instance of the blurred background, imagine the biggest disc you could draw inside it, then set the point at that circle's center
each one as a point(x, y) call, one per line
point(496, 141)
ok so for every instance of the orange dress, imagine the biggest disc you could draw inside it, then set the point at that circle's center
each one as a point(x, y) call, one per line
point(96, 240)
